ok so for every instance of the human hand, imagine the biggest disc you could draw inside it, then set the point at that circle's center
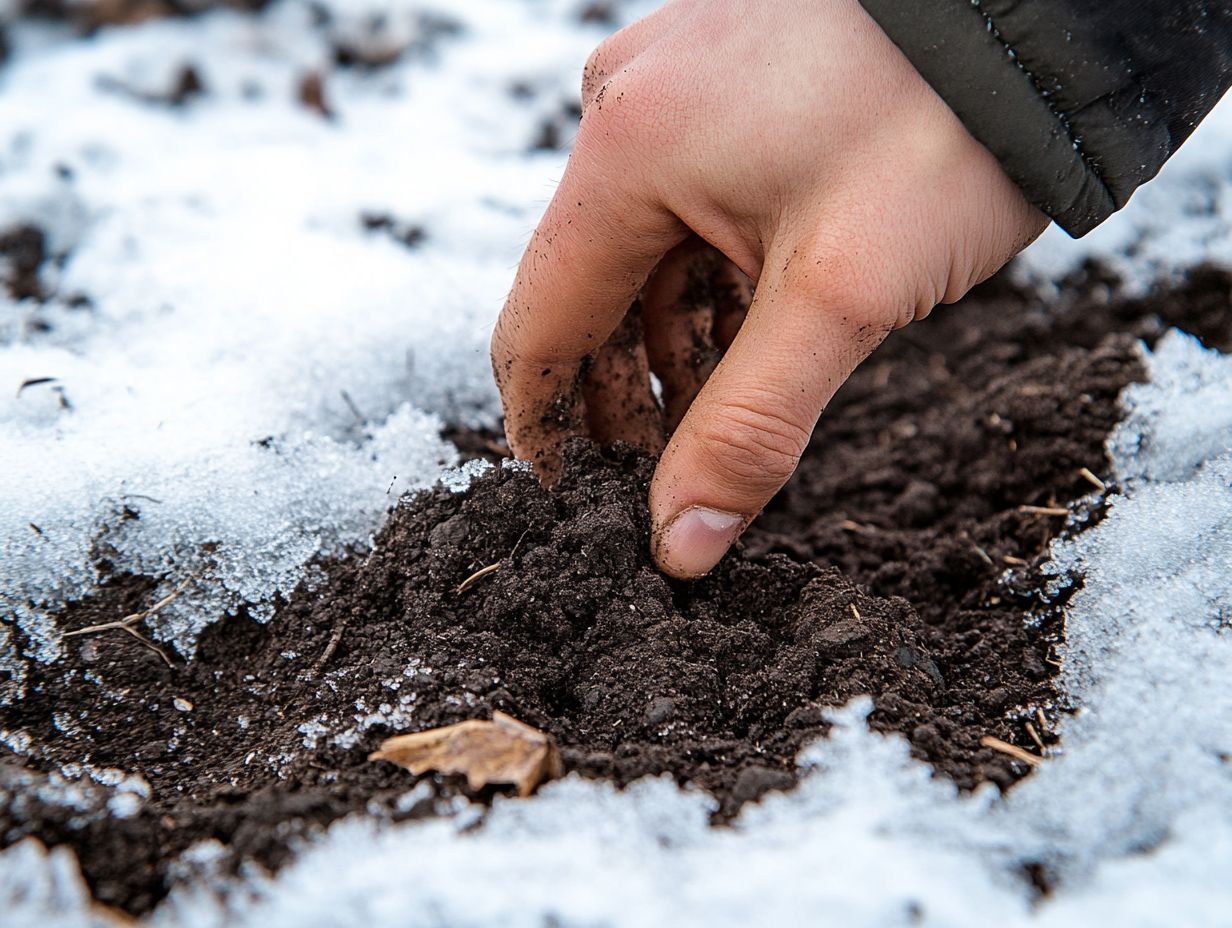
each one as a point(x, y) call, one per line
point(796, 140)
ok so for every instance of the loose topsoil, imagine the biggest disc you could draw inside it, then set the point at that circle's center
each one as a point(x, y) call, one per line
point(899, 563)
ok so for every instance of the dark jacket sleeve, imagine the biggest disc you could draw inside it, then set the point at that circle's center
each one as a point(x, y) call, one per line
point(1081, 102)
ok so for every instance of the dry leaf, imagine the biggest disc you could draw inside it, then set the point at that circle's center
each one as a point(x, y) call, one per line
point(502, 751)
point(312, 94)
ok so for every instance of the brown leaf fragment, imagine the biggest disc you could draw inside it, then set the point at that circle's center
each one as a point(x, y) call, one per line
point(503, 751)
point(311, 93)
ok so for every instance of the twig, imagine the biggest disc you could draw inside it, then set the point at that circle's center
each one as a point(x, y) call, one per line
point(1014, 561)
point(130, 620)
point(1090, 478)
point(1043, 721)
point(847, 525)
point(517, 544)
point(497, 448)
point(983, 555)
point(1044, 510)
point(146, 642)
point(334, 640)
point(1034, 736)
point(477, 576)
point(34, 382)
point(1012, 750)
point(346, 398)
point(491, 568)
point(126, 624)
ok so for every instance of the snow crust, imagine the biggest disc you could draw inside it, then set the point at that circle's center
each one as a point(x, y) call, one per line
point(230, 231)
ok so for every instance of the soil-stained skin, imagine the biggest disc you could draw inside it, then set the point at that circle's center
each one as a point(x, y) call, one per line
point(616, 389)
point(898, 563)
point(684, 319)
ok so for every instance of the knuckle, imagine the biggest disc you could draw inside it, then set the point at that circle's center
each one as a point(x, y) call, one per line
point(502, 355)
point(597, 70)
point(855, 286)
point(498, 345)
point(521, 341)
point(846, 287)
point(614, 111)
point(511, 328)
point(634, 106)
point(750, 443)
point(861, 302)
point(593, 76)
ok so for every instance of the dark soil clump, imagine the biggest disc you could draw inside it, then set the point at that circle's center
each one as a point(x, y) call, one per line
point(23, 249)
point(901, 563)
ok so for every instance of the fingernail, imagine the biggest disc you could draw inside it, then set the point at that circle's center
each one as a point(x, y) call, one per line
point(694, 541)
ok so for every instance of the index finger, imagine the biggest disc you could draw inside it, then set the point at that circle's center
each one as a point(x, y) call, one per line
point(593, 250)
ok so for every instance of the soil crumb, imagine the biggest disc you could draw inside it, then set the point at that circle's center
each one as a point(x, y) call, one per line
point(23, 249)
point(902, 562)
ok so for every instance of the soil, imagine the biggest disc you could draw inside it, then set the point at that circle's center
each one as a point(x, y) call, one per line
point(899, 563)
point(23, 248)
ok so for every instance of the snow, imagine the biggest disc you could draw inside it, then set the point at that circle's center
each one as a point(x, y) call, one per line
point(50, 893)
point(1180, 422)
point(230, 231)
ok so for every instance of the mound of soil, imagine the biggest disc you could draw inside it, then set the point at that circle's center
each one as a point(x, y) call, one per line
point(901, 562)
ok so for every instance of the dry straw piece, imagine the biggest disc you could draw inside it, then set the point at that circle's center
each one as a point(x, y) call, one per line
point(1011, 750)
point(503, 751)
point(126, 624)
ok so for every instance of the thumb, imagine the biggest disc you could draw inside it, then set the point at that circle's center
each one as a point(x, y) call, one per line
point(742, 437)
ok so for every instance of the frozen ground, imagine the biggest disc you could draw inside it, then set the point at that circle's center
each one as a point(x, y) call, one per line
point(255, 369)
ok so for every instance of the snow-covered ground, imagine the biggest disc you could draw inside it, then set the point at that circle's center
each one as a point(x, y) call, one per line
point(256, 369)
